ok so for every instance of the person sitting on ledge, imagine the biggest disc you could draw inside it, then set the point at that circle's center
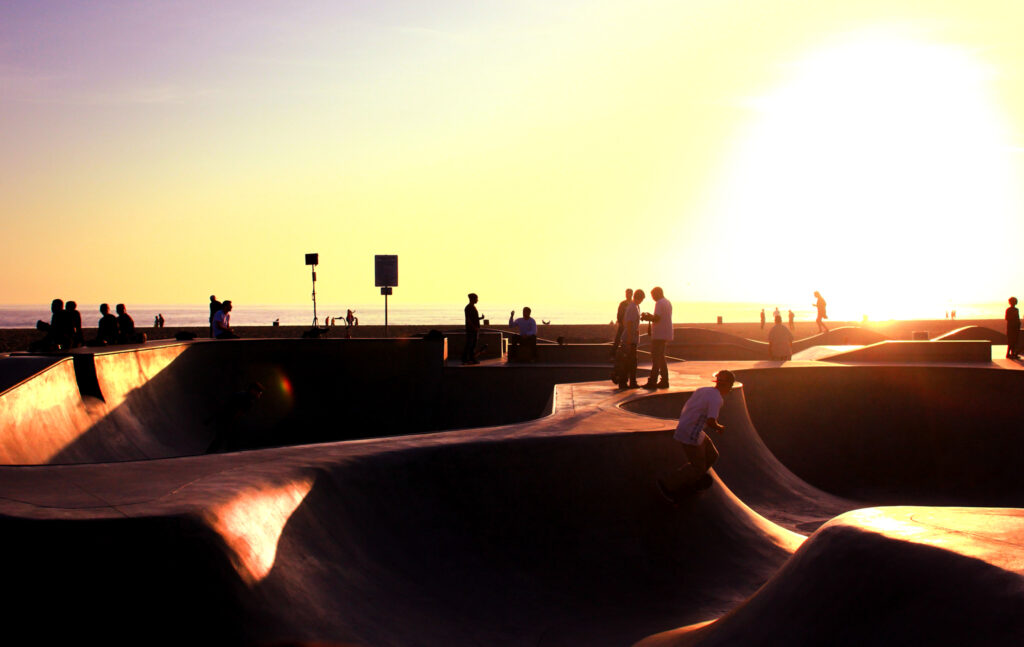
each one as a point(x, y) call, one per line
point(527, 327)
point(58, 331)
point(74, 324)
point(126, 328)
point(107, 333)
point(222, 322)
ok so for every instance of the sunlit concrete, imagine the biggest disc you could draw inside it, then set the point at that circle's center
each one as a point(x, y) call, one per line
point(547, 531)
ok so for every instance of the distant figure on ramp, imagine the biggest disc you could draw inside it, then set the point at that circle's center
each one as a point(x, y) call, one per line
point(819, 305)
point(1012, 329)
point(700, 412)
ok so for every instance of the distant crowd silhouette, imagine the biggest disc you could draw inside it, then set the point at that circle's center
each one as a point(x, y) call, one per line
point(64, 330)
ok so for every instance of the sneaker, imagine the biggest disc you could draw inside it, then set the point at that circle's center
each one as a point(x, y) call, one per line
point(650, 385)
point(633, 385)
point(663, 384)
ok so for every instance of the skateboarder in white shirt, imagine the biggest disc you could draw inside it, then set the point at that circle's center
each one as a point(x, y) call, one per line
point(700, 413)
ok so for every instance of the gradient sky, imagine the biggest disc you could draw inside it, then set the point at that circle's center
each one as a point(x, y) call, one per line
point(535, 152)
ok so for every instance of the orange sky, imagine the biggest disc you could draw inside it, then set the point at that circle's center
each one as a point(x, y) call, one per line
point(550, 152)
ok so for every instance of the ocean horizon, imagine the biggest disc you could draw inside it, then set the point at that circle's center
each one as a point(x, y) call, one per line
point(177, 315)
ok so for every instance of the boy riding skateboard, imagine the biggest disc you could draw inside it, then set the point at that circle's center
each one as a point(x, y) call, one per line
point(700, 412)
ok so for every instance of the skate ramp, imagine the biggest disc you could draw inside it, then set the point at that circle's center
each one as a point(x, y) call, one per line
point(749, 468)
point(168, 400)
point(545, 532)
point(924, 435)
point(535, 541)
point(886, 576)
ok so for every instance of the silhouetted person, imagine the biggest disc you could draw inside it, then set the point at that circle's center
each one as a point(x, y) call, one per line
point(776, 313)
point(819, 305)
point(351, 319)
point(792, 317)
point(780, 341)
point(156, 322)
point(762, 318)
point(630, 340)
point(512, 318)
point(527, 327)
point(952, 315)
point(74, 324)
point(215, 307)
point(661, 335)
point(1012, 329)
point(126, 327)
point(472, 330)
point(699, 413)
point(226, 433)
point(222, 322)
point(619, 324)
point(58, 330)
point(107, 333)
point(162, 320)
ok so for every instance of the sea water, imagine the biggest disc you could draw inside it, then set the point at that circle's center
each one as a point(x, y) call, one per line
point(25, 316)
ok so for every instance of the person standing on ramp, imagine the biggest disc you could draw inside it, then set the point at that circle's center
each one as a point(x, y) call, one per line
point(700, 413)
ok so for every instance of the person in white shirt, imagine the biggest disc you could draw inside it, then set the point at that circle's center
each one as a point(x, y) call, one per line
point(630, 339)
point(527, 327)
point(222, 322)
point(699, 413)
point(661, 335)
point(780, 341)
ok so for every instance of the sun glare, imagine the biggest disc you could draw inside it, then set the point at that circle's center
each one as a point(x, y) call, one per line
point(875, 173)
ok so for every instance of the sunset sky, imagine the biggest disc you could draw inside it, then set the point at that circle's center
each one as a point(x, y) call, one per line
point(155, 152)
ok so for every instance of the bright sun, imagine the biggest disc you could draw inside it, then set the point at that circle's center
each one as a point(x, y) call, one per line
point(877, 173)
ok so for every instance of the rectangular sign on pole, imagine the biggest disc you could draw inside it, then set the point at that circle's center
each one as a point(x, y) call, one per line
point(386, 271)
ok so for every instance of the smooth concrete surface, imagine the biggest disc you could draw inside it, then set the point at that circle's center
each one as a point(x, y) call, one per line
point(919, 351)
point(548, 531)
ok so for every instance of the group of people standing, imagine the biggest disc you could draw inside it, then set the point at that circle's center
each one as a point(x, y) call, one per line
point(64, 330)
point(627, 337)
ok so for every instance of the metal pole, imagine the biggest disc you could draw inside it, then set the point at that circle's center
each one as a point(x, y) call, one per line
point(385, 314)
point(315, 321)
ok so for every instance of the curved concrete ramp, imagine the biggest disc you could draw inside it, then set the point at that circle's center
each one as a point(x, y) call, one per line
point(163, 401)
point(842, 336)
point(540, 541)
point(887, 576)
point(544, 532)
point(974, 332)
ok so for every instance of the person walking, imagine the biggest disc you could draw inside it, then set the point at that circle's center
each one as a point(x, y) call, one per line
point(661, 335)
point(472, 330)
point(819, 305)
point(792, 317)
point(762, 318)
point(699, 413)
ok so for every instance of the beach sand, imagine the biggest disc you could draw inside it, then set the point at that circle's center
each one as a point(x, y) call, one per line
point(18, 339)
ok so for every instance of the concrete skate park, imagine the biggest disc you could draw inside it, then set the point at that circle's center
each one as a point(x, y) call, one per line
point(380, 494)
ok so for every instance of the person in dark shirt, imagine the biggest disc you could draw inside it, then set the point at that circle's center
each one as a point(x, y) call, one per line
point(1012, 329)
point(472, 330)
point(58, 331)
point(74, 324)
point(107, 333)
point(215, 307)
point(619, 320)
point(126, 327)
